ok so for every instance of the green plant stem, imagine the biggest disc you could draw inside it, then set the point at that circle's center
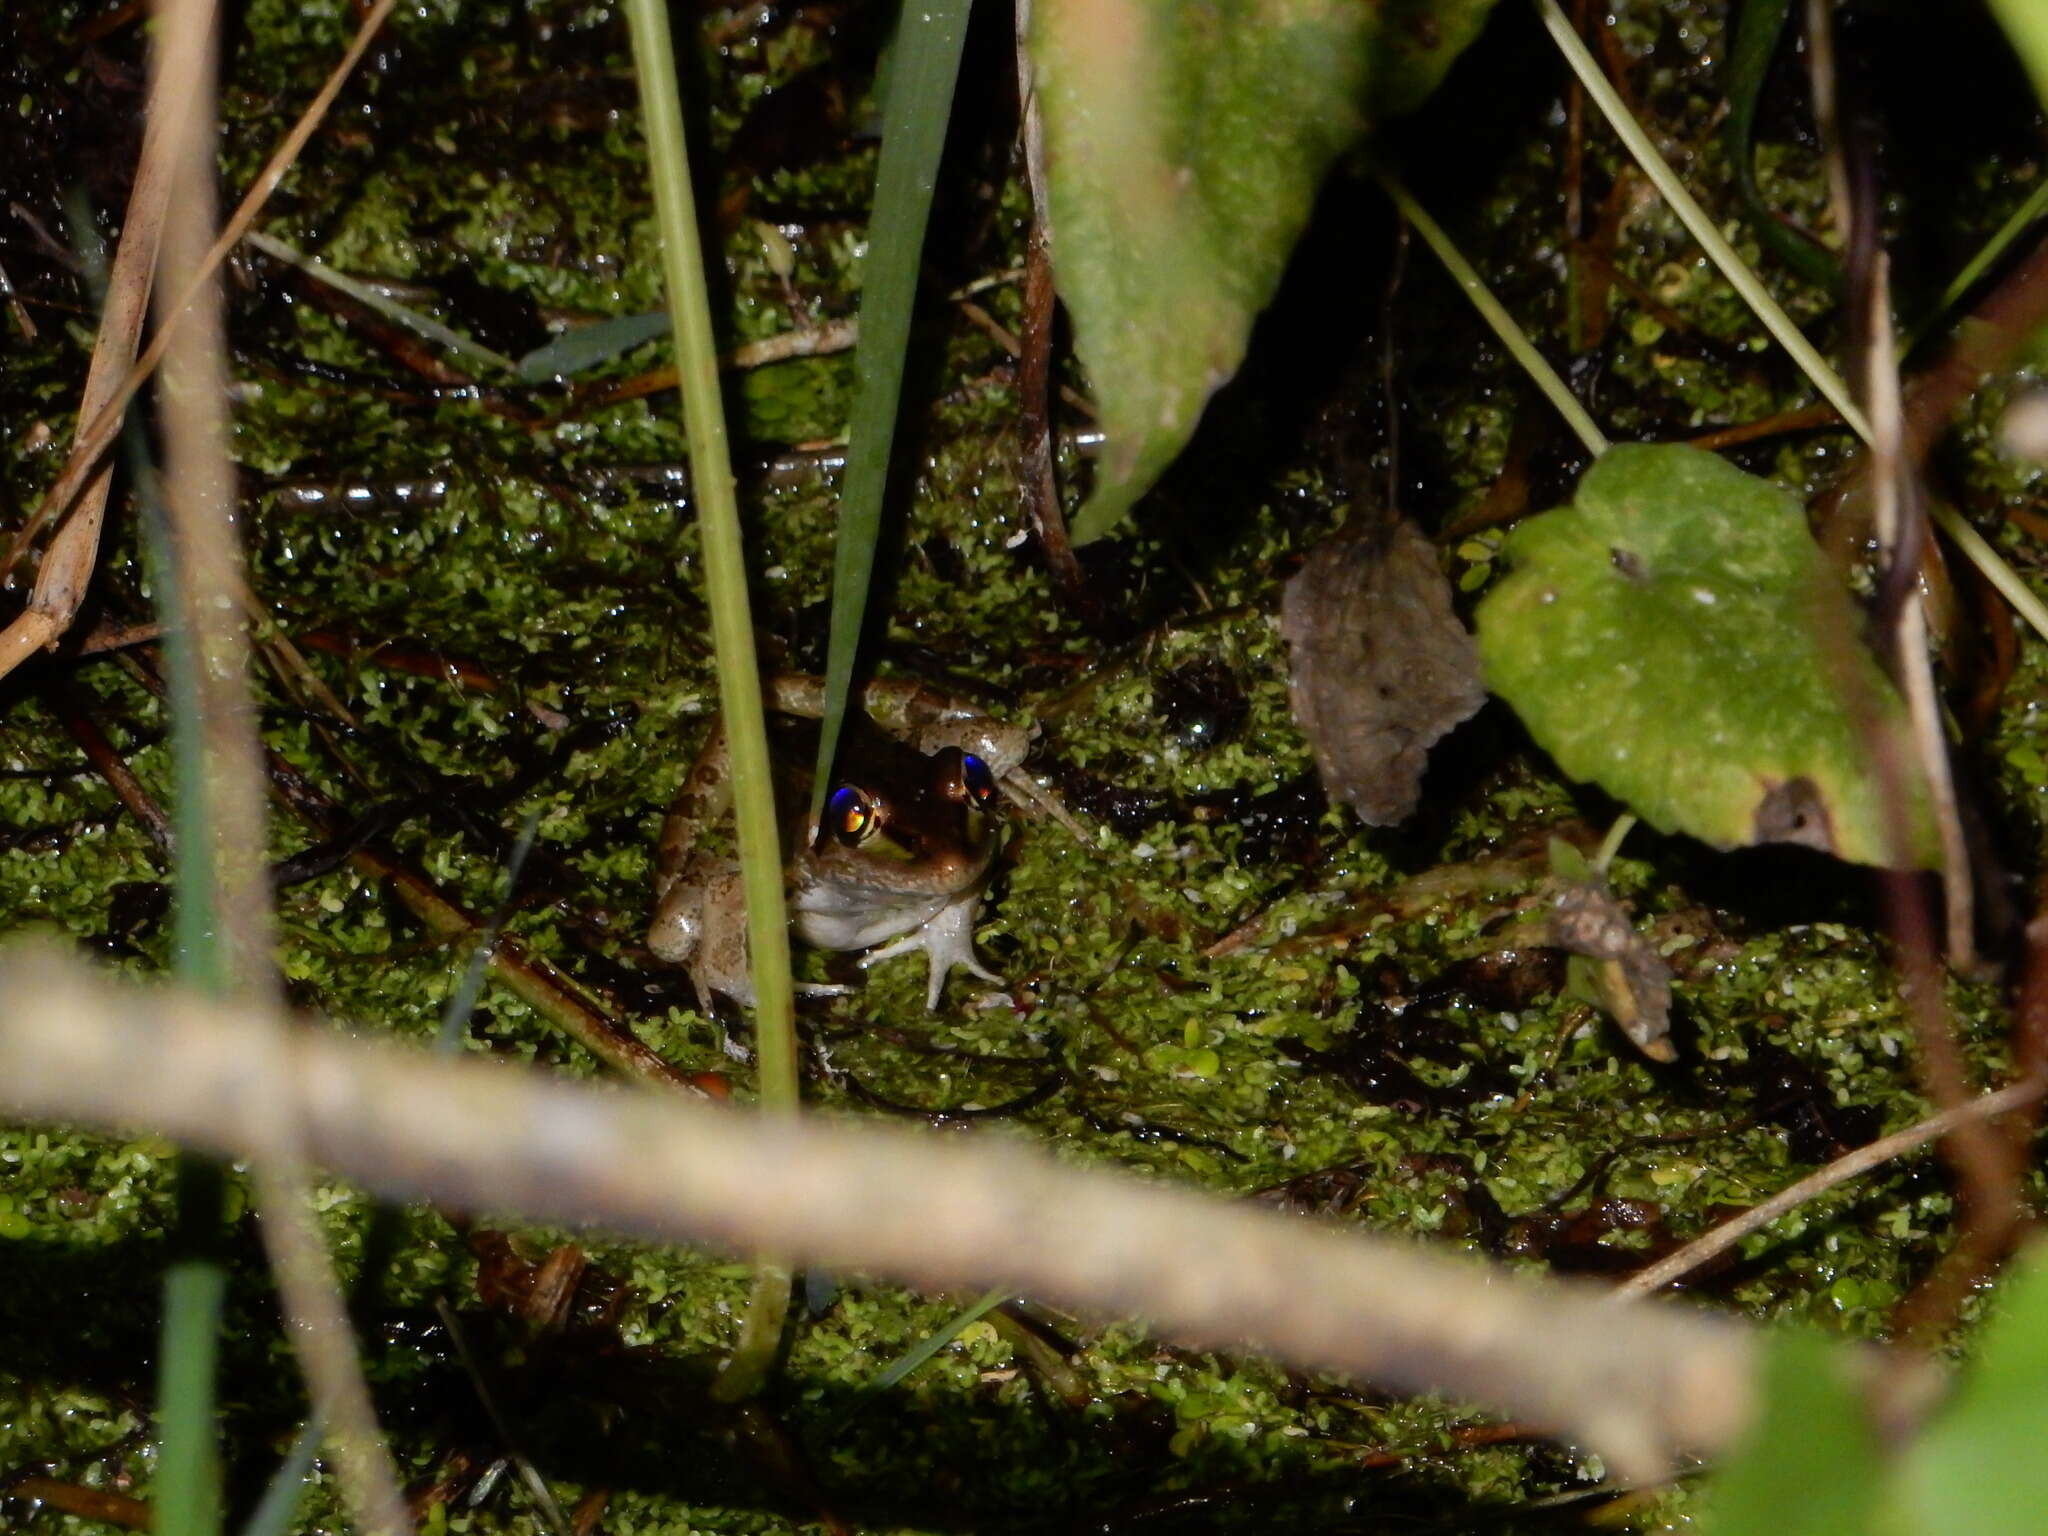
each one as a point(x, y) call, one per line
point(1610, 845)
point(1695, 219)
point(725, 571)
point(1766, 308)
point(186, 1499)
point(1512, 336)
point(923, 69)
point(732, 632)
point(1979, 264)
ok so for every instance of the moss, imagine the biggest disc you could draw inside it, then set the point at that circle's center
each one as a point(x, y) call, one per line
point(1171, 1054)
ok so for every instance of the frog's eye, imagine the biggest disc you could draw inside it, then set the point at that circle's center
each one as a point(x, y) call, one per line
point(851, 815)
point(975, 778)
point(966, 778)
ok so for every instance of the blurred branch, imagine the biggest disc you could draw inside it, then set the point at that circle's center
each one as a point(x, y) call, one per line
point(226, 927)
point(1639, 1384)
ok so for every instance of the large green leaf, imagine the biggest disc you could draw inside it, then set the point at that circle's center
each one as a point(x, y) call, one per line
point(1184, 143)
point(1812, 1465)
point(1675, 636)
point(2026, 23)
point(1979, 1466)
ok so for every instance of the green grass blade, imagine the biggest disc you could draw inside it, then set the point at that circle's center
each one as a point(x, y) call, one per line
point(462, 1001)
point(2022, 219)
point(1757, 30)
point(924, 65)
point(902, 1366)
point(1695, 218)
point(473, 352)
point(1511, 335)
point(186, 1499)
point(917, 1355)
point(585, 346)
point(732, 630)
point(286, 1490)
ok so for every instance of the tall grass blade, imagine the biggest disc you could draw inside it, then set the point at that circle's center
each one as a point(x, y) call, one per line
point(1495, 314)
point(286, 1489)
point(732, 631)
point(923, 70)
point(2022, 219)
point(186, 1499)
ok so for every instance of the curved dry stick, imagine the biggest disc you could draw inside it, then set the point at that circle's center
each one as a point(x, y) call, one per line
point(60, 583)
point(1715, 1241)
point(1641, 1385)
point(82, 485)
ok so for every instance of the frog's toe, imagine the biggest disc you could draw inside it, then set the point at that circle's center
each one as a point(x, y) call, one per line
point(947, 940)
point(970, 965)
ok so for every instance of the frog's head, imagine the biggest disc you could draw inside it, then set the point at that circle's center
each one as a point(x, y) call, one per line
point(906, 822)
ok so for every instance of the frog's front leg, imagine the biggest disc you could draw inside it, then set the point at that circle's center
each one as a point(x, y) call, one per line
point(947, 940)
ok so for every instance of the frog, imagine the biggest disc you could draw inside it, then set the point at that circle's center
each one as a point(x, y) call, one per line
point(896, 863)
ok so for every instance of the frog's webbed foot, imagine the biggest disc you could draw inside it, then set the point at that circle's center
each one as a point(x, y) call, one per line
point(947, 940)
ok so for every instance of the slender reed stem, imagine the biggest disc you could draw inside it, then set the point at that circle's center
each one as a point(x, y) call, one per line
point(732, 633)
point(1512, 336)
point(1695, 219)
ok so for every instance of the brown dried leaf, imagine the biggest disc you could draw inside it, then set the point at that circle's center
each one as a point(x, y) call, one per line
point(1382, 669)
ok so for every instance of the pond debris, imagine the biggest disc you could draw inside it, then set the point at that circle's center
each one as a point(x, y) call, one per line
point(1613, 966)
point(1382, 669)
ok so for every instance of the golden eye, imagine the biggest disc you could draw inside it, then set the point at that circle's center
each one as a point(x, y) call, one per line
point(850, 815)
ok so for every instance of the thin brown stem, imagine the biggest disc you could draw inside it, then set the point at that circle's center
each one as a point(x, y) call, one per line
point(1716, 1241)
point(100, 417)
point(76, 711)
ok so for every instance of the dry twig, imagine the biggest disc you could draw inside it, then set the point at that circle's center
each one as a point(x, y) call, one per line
point(81, 486)
point(1640, 1385)
point(1713, 1243)
point(226, 848)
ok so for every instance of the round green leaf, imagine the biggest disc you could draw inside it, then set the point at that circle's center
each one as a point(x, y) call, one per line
point(1676, 637)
